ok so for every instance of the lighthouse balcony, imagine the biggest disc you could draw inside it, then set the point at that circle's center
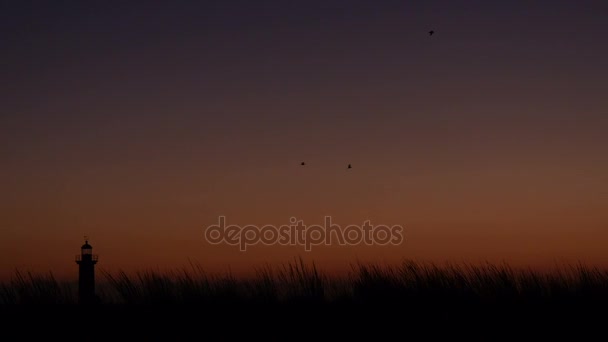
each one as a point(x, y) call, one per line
point(92, 257)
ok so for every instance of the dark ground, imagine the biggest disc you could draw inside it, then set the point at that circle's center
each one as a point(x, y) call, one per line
point(414, 302)
point(302, 321)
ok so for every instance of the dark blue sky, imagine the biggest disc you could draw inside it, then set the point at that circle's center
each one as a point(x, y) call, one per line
point(121, 118)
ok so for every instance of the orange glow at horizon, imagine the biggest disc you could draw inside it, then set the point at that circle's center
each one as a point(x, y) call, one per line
point(486, 141)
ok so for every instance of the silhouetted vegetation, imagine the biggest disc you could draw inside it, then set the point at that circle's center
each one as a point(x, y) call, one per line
point(299, 282)
point(449, 297)
point(32, 288)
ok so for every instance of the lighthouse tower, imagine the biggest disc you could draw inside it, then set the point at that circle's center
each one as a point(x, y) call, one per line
point(86, 274)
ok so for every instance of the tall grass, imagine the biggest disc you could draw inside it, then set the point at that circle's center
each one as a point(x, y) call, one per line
point(410, 283)
point(29, 288)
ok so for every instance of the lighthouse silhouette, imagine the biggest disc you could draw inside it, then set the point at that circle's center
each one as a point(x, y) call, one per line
point(86, 274)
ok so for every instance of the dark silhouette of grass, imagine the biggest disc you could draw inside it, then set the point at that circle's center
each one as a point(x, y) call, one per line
point(297, 282)
point(449, 298)
point(29, 288)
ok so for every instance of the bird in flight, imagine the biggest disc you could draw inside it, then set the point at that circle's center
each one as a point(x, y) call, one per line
point(431, 32)
point(303, 163)
point(349, 166)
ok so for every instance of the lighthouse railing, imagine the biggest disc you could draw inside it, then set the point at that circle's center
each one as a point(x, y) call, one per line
point(94, 257)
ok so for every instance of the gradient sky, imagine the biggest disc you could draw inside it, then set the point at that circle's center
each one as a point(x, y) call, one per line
point(139, 123)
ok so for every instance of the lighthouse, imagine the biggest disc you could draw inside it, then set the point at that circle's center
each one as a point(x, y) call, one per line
point(86, 274)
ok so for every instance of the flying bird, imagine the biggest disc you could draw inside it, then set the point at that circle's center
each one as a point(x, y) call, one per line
point(349, 166)
point(431, 32)
point(303, 163)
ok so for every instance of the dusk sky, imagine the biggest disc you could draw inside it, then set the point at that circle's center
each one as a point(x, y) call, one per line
point(139, 123)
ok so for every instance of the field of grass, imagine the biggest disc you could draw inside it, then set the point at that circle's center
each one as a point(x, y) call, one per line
point(447, 299)
point(297, 282)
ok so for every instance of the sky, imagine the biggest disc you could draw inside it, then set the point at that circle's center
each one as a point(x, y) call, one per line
point(140, 123)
